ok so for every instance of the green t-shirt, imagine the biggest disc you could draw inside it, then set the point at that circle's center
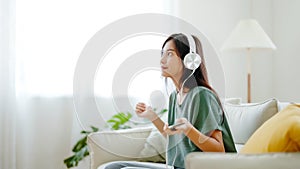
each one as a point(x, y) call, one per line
point(201, 108)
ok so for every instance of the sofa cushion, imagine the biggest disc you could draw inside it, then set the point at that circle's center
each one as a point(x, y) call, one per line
point(281, 133)
point(154, 148)
point(244, 119)
point(282, 105)
point(114, 145)
point(148, 164)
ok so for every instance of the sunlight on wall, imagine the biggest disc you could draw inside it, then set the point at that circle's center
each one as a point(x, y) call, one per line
point(144, 81)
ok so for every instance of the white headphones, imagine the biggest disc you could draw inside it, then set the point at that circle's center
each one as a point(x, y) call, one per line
point(192, 60)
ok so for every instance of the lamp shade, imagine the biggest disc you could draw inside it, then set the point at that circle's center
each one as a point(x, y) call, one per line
point(248, 34)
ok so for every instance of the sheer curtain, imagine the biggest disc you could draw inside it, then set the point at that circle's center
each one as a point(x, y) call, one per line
point(7, 86)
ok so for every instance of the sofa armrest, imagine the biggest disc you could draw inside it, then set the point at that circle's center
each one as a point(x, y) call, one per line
point(200, 160)
point(106, 146)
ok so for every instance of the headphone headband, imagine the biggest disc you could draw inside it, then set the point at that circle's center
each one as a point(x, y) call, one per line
point(192, 60)
point(192, 43)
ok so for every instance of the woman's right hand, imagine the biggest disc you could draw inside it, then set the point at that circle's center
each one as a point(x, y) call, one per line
point(142, 110)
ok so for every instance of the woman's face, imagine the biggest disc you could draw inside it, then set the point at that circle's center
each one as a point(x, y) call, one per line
point(171, 63)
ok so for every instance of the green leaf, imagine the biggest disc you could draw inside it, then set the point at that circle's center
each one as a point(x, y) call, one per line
point(85, 132)
point(78, 156)
point(116, 126)
point(69, 162)
point(95, 129)
point(80, 144)
point(118, 120)
point(163, 111)
point(113, 121)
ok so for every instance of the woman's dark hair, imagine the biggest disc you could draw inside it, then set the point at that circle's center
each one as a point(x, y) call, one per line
point(183, 48)
point(200, 77)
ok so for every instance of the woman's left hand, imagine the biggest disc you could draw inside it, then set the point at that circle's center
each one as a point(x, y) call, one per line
point(184, 128)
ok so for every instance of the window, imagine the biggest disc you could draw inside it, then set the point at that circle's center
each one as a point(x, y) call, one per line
point(51, 34)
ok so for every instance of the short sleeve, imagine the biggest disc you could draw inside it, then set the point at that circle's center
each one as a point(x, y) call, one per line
point(207, 111)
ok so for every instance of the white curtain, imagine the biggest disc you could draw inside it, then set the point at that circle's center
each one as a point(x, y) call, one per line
point(44, 132)
point(7, 87)
point(35, 132)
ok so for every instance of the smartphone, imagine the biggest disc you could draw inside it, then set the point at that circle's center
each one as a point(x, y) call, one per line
point(173, 127)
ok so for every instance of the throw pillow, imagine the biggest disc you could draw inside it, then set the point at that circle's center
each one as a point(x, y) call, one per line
point(244, 119)
point(281, 133)
point(154, 148)
point(233, 100)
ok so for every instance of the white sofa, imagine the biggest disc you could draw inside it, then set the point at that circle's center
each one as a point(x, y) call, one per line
point(244, 119)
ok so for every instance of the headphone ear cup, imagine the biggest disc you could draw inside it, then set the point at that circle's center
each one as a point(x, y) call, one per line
point(192, 61)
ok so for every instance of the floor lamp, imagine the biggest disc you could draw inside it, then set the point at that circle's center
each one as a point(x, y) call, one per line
point(248, 35)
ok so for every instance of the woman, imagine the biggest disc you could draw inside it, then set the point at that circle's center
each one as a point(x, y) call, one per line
point(194, 105)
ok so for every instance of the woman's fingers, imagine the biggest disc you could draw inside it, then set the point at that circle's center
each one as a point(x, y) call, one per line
point(166, 129)
point(140, 107)
point(186, 127)
point(166, 126)
point(178, 129)
point(142, 110)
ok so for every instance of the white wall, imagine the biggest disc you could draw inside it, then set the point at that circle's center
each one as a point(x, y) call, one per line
point(272, 74)
point(286, 64)
point(262, 60)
